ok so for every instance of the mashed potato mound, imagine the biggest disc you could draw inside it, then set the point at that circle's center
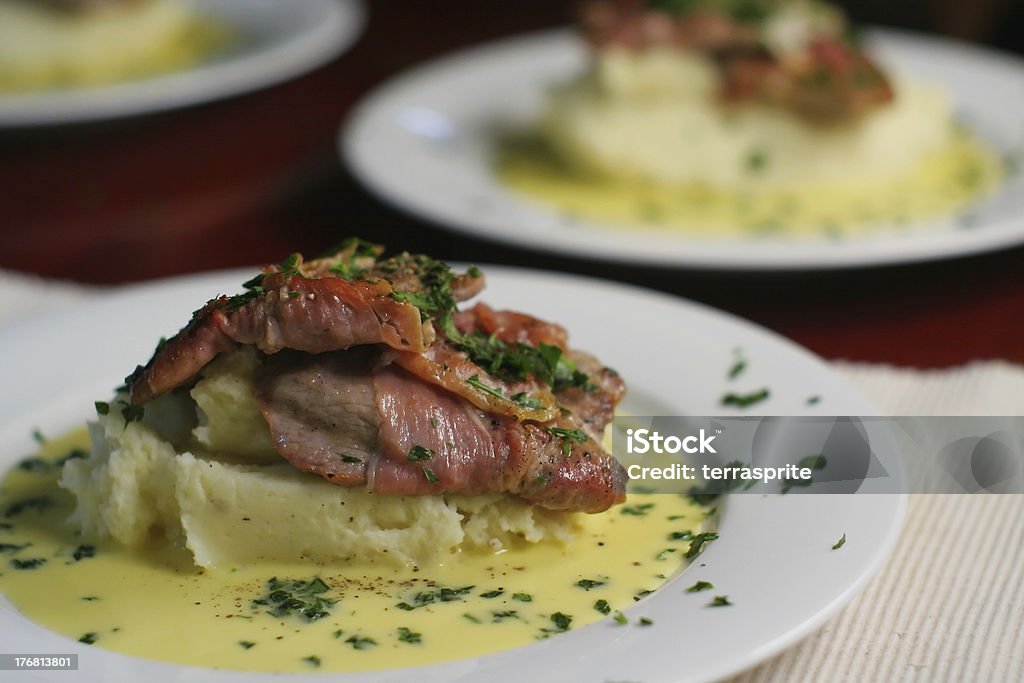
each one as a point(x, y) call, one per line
point(654, 117)
point(200, 470)
point(43, 48)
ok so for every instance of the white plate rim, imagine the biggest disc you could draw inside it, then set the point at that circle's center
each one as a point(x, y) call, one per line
point(338, 24)
point(652, 248)
point(41, 338)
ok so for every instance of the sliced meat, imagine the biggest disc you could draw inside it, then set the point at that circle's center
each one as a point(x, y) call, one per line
point(511, 327)
point(312, 315)
point(354, 424)
point(450, 369)
point(595, 405)
point(322, 412)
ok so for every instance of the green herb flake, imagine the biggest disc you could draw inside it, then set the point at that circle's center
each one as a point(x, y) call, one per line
point(442, 594)
point(34, 465)
point(418, 453)
point(698, 543)
point(470, 617)
point(746, 400)
point(90, 598)
point(430, 476)
point(31, 563)
point(587, 584)
point(757, 160)
point(312, 660)
point(360, 642)
point(680, 535)
point(663, 554)
point(102, 407)
point(37, 435)
point(409, 636)
point(501, 615)
point(37, 503)
point(840, 543)
point(492, 594)
point(246, 644)
point(644, 621)
point(568, 437)
point(720, 601)
point(561, 621)
point(639, 510)
point(602, 606)
point(620, 618)
point(737, 368)
point(522, 597)
point(813, 400)
point(89, 638)
point(84, 551)
point(296, 597)
point(700, 586)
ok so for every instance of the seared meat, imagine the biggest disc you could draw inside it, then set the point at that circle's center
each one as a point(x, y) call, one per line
point(806, 63)
point(370, 376)
point(302, 306)
point(346, 418)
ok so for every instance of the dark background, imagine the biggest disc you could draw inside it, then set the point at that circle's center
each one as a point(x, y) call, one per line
point(253, 178)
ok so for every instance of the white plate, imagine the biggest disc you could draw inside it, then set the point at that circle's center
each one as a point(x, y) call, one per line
point(774, 557)
point(425, 142)
point(276, 41)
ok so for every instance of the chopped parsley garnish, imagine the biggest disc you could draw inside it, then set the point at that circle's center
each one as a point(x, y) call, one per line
point(644, 621)
point(469, 617)
point(680, 535)
point(442, 594)
point(602, 606)
point(746, 400)
point(522, 597)
point(492, 594)
point(430, 476)
point(246, 644)
point(620, 618)
point(811, 462)
point(840, 543)
point(102, 407)
point(37, 503)
point(813, 400)
point(663, 555)
point(698, 542)
point(737, 368)
point(756, 161)
point(639, 510)
point(37, 435)
point(302, 598)
point(501, 615)
point(31, 563)
point(360, 642)
point(700, 586)
point(312, 660)
point(409, 636)
point(89, 638)
point(568, 437)
point(561, 621)
point(417, 453)
point(84, 551)
point(719, 601)
point(474, 381)
point(34, 465)
point(587, 584)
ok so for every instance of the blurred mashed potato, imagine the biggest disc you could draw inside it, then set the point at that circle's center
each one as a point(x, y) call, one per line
point(201, 470)
point(42, 47)
point(654, 116)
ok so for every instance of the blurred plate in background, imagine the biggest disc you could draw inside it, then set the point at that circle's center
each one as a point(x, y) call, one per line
point(427, 141)
point(272, 42)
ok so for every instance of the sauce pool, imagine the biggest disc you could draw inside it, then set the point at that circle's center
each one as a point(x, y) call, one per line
point(308, 617)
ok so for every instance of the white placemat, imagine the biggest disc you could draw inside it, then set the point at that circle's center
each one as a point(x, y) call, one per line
point(947, 606)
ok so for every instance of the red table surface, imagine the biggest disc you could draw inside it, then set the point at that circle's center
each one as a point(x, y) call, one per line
point(253, 178)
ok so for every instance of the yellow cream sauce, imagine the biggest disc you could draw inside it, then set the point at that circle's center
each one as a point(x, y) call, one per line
point(941, 185)
point(160, 606)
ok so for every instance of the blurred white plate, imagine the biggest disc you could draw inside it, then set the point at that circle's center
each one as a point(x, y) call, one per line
point(774, 557)
point(426, 140)
point(275, 41)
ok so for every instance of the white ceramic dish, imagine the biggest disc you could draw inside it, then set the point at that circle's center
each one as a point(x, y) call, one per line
point(774, 558)
point(276, 41)
point(426, 140)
